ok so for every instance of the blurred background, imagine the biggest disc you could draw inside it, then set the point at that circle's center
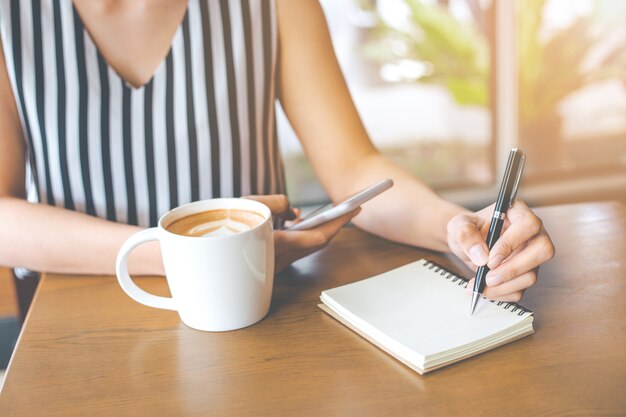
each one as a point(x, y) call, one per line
point(447, 87)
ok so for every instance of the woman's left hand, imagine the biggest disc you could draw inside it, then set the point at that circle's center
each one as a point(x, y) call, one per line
point(289, 245)
point(514, 259)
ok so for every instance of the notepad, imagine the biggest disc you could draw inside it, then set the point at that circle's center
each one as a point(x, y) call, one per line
point(419, 314)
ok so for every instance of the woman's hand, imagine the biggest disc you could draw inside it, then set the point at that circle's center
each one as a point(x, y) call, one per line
point(293, 245)
point(514, 259)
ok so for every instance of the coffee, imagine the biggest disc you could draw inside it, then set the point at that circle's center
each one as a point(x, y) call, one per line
point(215, 223)
point(217, 283)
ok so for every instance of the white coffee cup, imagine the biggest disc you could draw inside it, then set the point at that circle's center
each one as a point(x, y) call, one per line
point(217, 283)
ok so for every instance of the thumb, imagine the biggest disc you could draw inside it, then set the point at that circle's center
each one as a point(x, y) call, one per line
point(464, 231)
point(277, 203)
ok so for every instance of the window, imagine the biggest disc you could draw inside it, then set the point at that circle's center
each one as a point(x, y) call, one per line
point(418, 72)
point(572, 86)
point(447, 87)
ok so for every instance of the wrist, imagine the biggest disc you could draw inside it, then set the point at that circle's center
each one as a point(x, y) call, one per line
point(443, 213)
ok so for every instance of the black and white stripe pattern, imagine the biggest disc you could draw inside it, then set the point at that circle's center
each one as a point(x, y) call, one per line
point(202, 127)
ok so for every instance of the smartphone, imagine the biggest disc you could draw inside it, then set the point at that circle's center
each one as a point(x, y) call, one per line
point(332, 211)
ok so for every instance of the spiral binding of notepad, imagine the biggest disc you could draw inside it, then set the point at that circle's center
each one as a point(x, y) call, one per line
point(460, 281)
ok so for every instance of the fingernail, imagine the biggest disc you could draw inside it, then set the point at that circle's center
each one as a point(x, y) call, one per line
point(478, 255)
point(493, 280)
point(495, 261)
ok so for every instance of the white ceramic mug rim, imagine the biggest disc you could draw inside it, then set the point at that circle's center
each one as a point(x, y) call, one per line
point(262, 209)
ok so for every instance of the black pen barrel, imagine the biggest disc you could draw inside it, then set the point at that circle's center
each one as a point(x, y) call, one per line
point(479, 282)
point(494, 233)
point(506, 197)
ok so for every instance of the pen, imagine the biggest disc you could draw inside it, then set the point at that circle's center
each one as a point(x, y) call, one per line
point(506, 198)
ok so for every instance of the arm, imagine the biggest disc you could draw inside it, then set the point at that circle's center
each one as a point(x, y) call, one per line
point(45, 238)
point(318, 104)
point(319, 107)
point(52, 239)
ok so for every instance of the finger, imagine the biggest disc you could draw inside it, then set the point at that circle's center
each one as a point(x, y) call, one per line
point(515, 285)
point(316, 238)
point(299, 240)
point(511, 297)
point(483, 219)
point(277, 203)
point(538, 251)
point(286, 252)
point(286, 258)
point(293, 245)
point(465, 231)
point(297, 220)
point(524, 225)
point(470, 265)
point(330, 228)
point(514, 297)
point(456, 250)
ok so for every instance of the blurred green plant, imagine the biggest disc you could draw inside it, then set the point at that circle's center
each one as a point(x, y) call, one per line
point(457, 52)
point(549, 70)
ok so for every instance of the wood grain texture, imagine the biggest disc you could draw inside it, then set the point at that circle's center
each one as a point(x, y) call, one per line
point(88, 349)
point(8, 299)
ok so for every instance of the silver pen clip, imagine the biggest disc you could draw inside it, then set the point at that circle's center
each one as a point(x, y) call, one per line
point(517, 181)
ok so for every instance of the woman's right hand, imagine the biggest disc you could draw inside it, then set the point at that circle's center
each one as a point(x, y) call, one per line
point(293, 245)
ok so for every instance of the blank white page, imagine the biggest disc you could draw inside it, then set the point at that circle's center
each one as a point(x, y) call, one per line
point(421, 309)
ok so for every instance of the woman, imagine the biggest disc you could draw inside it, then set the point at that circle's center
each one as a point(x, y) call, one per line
point(122, 112)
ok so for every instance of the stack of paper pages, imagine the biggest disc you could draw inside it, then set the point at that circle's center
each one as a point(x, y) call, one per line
point(419, 313)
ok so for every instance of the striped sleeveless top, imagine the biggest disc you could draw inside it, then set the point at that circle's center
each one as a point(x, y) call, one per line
point(202, 127)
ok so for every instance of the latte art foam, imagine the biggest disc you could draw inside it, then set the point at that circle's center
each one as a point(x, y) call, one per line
point(219, 228)
point(216, 223)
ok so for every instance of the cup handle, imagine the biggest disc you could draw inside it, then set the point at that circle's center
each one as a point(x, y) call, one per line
point(126, 282)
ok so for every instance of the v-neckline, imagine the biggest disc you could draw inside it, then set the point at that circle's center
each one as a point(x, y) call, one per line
point(157, 69)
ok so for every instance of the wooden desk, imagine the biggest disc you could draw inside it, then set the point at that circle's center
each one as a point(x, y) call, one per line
point(88, 350)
